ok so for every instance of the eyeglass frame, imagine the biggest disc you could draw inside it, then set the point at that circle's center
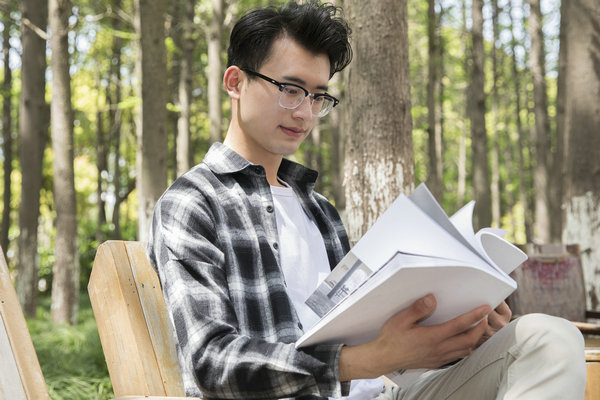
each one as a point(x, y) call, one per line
point(282, 85)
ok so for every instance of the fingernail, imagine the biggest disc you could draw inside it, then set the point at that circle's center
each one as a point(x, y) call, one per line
point(428, 301)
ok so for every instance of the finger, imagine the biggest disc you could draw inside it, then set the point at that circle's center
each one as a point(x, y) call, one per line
point(465, 342)
point(499, 317)
point(504, 309)
point(419, 310)
point(464, 322)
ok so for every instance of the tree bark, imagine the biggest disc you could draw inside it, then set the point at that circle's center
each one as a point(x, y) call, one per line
point(462, 144)
point(152, 140)
point(337, 145)
point(582, 119)
point(495, 149)
point(481, 178)
point(65, 282)
point(542, 124)
point(115, 113)
point(521, 143)
point(185, 91)
point(7, 134)
point(102, 143)
point(379, 157)
point(558, 167)
point(33, 127)
point(434, 175)
point(215, 73)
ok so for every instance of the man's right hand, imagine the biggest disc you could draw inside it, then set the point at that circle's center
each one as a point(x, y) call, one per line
point(404, 344)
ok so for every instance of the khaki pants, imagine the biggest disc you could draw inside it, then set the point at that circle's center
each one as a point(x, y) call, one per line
point(536, 357)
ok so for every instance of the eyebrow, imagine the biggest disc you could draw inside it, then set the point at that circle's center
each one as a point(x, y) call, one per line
point(302, 82)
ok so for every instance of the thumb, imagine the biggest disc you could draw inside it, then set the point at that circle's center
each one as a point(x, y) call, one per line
point(419, 310)
point(424, 307)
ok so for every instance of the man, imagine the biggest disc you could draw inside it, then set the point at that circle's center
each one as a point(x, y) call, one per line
point(241, 240)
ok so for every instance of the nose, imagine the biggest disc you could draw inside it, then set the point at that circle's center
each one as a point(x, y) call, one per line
point(304, 110)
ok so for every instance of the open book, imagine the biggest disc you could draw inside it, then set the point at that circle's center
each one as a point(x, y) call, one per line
point(412, 250)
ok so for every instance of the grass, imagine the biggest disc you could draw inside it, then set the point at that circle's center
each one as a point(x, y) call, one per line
point(71, 357)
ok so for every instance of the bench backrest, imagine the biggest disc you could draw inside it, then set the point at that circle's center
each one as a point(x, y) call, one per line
point(135, 330)
point(20, 373)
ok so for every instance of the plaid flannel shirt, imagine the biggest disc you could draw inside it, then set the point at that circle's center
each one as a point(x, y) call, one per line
point(214, 246)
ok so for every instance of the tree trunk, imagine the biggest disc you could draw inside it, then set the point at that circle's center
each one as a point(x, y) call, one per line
point(582, 119)
point(33, 127)
point(114, 94)
point(65, 282)
point(337, 145)
point(185, 91)
point(495, 150)
point(7, 134)
point(542, 124)
point(481, 178)
point(102, 144)
point(152, 126)
point(462, 144)
point(558, 167)
point(521, 147)
point(215, 73)
point(434, 175)
point(379, 157)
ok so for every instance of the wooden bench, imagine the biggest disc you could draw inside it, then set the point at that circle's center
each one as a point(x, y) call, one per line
point(20, 373)
point(137, 335)
point(134, 327)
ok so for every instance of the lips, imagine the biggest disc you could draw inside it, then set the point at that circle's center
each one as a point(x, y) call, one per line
point(293, 131)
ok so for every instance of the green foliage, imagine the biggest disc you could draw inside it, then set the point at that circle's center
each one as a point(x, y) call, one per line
point(71, 357)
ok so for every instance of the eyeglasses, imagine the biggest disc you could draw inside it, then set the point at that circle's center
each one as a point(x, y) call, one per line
point(291, 96)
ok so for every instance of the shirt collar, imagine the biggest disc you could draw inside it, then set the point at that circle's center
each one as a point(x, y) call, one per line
point(221, 159)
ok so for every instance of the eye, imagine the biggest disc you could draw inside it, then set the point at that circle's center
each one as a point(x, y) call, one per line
point(291, 90)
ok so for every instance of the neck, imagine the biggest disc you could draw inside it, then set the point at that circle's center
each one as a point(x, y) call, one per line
point(270, 162)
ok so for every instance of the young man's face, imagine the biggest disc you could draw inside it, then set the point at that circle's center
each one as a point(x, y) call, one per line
point(269, 129)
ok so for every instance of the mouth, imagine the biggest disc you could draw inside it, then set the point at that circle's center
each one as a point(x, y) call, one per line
point(293, 131)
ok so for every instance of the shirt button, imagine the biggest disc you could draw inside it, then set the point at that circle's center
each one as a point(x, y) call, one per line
point(300, 325)
point(276, 245)
point(269, 208)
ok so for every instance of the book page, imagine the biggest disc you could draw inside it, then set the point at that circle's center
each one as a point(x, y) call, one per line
point(405, 228)
point(424, 199)
point(395, 287)
point(346, 277)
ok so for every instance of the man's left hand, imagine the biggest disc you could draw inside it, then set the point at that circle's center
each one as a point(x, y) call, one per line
point(497, 319)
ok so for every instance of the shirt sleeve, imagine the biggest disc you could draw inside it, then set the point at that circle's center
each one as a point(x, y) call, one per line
point(214, 356)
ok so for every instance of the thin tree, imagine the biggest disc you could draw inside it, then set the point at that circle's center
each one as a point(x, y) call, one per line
point(462, 144)
point(378, 163)
point(542, 124)
point(65, 282)
point(521, 143)
point(7, 132)
point(336, 142)
point(152, 119)
point(558, 167)
point(582, 85)
point(481, 178)
point(434, 176)
point(185, 89)
point(113, 95)
point(215, 72)
point(495, 149)
point(33, 132)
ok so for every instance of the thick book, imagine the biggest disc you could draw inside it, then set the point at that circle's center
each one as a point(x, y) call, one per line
point(412, 250)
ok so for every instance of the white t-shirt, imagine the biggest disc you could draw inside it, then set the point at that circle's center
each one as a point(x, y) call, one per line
point(305, 265)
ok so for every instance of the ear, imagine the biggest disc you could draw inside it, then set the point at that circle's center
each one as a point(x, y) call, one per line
point(232, 81)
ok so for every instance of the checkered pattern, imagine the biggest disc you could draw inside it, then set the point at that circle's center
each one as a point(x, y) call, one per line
point(214, 246)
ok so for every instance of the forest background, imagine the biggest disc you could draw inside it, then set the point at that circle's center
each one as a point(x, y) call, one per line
point(106, 102)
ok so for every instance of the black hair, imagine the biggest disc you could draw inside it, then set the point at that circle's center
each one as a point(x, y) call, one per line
point(317, 27)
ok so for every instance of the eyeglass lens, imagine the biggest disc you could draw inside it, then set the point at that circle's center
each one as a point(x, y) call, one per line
point(291, 97)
